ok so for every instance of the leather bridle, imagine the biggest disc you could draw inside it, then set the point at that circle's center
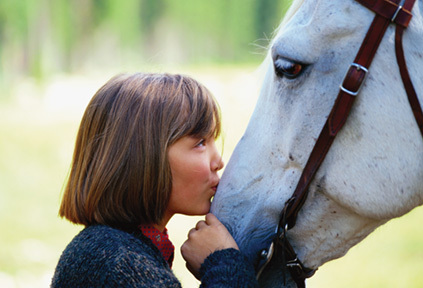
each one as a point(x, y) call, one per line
point(397, 12)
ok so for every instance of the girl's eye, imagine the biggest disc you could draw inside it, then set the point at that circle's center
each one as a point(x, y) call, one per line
point(201, 143)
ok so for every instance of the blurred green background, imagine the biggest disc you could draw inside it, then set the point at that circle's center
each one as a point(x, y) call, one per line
point(54, 55)
point(44, 37)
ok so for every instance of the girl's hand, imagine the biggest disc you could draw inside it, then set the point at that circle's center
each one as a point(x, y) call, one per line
point(207, 237)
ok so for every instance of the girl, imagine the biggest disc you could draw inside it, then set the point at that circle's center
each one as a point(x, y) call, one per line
point(145, 151)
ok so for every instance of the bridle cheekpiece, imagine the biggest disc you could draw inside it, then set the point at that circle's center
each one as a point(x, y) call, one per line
point(387, 12)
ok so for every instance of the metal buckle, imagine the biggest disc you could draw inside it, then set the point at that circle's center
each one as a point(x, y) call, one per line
point(294, 263)
point(396, 13)
point(358, 67)
point(266, 256)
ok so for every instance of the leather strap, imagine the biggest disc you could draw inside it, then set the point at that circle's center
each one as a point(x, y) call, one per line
point(337, 118)
point(408, 85)
point(349, 89)
point(386, 12)
point(389, 10)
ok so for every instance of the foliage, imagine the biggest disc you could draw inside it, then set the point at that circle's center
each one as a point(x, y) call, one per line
point(42, 37)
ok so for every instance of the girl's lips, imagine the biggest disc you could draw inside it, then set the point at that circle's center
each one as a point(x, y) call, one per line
point(214, 188)
point(214, 184)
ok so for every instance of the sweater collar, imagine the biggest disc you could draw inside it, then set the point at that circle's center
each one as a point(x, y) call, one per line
point(160, 240)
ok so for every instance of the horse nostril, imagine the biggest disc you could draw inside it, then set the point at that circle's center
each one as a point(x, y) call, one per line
point(287, 68)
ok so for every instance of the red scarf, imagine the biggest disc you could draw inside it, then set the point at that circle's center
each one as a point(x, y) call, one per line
point(160, 240)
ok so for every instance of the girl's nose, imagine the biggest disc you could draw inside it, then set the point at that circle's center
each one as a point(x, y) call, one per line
point(217, 164)
point(220, 164)
point(216, 160)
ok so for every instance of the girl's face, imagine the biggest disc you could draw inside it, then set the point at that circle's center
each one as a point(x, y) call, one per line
point(194, 163)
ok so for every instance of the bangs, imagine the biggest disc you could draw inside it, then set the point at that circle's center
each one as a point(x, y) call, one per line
point(204, 124)
point(199, 115)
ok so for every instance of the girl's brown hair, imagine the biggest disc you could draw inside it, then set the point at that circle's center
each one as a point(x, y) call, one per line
point(120, 175)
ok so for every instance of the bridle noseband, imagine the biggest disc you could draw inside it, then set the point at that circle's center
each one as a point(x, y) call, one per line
point(395, 11)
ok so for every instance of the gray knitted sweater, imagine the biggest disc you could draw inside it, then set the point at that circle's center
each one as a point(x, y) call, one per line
point(101, 256)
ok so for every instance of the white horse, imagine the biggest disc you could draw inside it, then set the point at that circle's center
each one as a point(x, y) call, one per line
point(374, 169)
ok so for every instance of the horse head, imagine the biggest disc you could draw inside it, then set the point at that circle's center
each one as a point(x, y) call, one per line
point(374, 169)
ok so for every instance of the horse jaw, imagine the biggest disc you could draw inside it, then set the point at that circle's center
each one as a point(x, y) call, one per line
point(371, 174)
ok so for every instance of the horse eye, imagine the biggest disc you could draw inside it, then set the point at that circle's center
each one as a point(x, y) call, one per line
point(288, 68)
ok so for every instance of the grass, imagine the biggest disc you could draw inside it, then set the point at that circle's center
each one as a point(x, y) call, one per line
point(32, 172)
point(392, 256)
point(37, 132)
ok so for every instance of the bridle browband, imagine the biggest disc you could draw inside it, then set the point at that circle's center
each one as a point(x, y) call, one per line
point(395, 11)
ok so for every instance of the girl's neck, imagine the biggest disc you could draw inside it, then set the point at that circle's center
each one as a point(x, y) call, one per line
point(162, 225)
point(159, 227)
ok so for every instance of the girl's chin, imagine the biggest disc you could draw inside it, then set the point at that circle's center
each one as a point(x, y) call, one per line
point(203, 211)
